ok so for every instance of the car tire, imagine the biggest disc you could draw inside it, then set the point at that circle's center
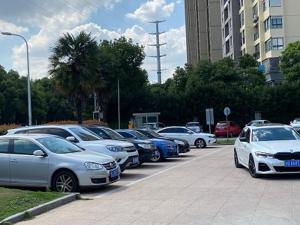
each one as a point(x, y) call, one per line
point(252, 168)
point(65, 181)
point(158, 156)
point(200, 143)
point(236, 160)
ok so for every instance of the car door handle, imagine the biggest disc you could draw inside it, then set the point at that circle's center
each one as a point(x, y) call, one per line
point(13, 161)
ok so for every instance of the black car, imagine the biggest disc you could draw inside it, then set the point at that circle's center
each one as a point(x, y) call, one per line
point(184, 146)
point(145, 148)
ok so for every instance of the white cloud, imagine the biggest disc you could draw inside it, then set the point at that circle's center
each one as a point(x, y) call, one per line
point(10, 27)
point(152, 10)
point(64, 19)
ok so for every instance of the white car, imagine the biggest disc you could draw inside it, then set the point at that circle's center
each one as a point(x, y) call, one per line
point(200, 140)
point(258, 122)
point(296, 124)
point(268, 149)
point(123, 152)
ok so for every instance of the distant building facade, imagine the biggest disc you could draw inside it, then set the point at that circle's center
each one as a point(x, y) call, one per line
point(230, 24)
point(267, 27)
point(203, 30)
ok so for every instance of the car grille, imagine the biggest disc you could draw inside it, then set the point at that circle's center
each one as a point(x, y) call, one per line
point(286, 169)
point(110, 165)
point(287, 155)
point(130, 149)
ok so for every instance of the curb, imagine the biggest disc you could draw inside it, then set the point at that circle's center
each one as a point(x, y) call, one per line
point(41, 208)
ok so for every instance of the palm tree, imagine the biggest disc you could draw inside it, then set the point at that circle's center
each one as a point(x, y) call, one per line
point(74, 66)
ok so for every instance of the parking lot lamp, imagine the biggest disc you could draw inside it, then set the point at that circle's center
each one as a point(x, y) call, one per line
point(28, 76)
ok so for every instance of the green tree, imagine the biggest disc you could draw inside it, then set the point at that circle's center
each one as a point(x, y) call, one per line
point(290, 62)
point(75, 66)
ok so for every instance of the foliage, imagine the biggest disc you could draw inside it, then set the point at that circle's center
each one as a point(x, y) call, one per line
point(290, 62)
point(74, 67)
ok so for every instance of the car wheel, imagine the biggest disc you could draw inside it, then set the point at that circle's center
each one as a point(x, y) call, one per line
point(252, 168)
point(236, 160)
point(65, 181)
point(200, 143)
point(158, 156)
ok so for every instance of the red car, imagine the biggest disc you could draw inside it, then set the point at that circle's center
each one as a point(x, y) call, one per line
point(222, 127)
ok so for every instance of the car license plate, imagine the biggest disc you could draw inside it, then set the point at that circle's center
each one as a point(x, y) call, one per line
point(114, 173)
point(135, 160)
point(292, 163)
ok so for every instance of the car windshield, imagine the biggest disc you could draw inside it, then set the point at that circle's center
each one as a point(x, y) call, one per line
point(150, 133)
point(274, 134)
point(58, 145)
point(84, 134)
point(113, 134)
point(138, 135)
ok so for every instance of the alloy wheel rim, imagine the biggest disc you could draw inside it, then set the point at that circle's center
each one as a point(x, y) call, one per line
point(200, 144)
point(156, 156)
point(64, 183)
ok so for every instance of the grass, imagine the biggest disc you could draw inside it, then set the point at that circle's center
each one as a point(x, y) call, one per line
point(224, 141)
point(13, 201)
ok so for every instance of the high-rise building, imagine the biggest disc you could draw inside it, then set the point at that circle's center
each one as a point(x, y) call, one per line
point(267, 27)
point(230, 24)
point(203, 30)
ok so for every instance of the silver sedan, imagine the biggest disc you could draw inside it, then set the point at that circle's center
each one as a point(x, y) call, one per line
point(52, 162)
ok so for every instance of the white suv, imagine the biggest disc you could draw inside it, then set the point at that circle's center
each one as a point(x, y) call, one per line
point(123, 152)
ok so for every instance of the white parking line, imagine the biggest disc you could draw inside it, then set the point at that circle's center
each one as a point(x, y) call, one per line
point(160, 172)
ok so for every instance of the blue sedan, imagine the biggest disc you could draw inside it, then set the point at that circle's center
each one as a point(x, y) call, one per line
point(166, 149)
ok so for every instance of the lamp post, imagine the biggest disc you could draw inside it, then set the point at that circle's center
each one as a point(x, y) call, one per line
point(28, 76)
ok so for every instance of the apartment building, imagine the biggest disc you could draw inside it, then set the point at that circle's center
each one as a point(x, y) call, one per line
point(267, 27)
point(230, 24)
point(203, 30)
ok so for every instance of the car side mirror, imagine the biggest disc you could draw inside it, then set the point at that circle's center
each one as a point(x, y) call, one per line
point(39, 153)
point(71, 139)
point(244, 139)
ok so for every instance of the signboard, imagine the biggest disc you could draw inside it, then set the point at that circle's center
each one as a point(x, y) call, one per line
point(227, 111)
point(210, 118)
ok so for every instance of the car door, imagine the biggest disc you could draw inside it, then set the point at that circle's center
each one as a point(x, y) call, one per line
point(244, 145)
point(171, 132)
point(25, 168)
point(4, 162)
point(185, 134)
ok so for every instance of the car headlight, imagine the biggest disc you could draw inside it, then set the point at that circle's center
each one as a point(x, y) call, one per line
point(211, 136)
point(93, 166)
point(179, 142)
point(264, 155)
point(145, 146)
point(114, 148)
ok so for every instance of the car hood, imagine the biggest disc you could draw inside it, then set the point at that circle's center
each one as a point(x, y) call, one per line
point(137, 141)
point(106, 142)
point(161, 141)
point(88, 156)
point(174, 139)
point(277, 146)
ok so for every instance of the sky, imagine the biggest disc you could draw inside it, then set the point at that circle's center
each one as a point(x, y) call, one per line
point(42, 22)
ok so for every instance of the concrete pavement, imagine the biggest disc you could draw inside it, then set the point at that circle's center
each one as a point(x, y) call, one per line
point(203, 187)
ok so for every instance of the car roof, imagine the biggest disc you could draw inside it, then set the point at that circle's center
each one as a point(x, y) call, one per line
point(27, 136)
point(44, 126)
point(270, 125)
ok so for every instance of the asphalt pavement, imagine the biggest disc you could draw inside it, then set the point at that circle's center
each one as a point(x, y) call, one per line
point(202, 187)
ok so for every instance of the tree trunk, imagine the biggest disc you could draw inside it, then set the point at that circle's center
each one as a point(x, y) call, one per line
point(79, 110)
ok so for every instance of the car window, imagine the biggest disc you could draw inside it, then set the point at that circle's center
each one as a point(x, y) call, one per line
point(4, 146)
point(22, 132)
point(37, 131)
point(99, 132)
point(247, 134)
point(58, 132)
point(84, 134)
point(182, 131)
point(25, 147)
point(125, 134)
point(168, 130)
point(58, 145)
point(275, 134)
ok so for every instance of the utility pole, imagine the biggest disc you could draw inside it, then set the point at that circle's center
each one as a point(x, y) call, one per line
point(157, 45)
point(119, 114)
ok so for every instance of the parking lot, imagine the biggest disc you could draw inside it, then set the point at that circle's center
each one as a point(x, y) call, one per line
point(201, 187)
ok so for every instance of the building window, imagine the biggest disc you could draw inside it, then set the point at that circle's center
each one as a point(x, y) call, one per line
point(257, 51)
point(274, 44)
point(265, 5)
point(241, 3)
point(276, 22)
point(277, 43)
point(242, 18)
point(243, 37)
point(267, 24)
point(255, 13)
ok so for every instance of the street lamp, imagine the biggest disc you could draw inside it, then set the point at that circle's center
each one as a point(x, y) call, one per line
point(28, 76)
